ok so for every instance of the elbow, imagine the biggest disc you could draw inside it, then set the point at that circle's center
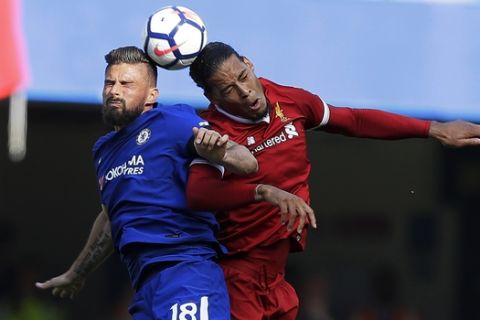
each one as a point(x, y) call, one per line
point(244, 168)
point(250, 167)
point(253, 167)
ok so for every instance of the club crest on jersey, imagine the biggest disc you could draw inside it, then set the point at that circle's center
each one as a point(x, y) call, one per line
point(279, 113)
point(143, 136)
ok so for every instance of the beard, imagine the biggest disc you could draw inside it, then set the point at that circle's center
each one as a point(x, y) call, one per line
point(119, 116)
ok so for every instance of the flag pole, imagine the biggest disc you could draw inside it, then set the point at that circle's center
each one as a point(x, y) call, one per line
point(17, 126)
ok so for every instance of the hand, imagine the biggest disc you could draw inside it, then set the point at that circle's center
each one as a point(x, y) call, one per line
point(210, 144)
point(65, 285)
point(456, 133)
point(290, 205)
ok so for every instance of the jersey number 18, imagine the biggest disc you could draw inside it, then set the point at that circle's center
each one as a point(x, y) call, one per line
point(188, 311)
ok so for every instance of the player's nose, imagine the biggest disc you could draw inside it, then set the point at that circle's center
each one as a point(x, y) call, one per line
point(115, 89)
point(243, 90)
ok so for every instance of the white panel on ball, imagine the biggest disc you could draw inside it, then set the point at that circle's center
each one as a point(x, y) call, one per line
point(174, 36)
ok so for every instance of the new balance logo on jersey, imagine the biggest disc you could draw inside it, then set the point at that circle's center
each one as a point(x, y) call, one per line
point(133, 166)
point(250, 141)
point(288, 133)
point(291, 131)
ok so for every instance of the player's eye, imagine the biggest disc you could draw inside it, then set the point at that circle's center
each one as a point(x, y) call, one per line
point(227, 90)
point(243, 76)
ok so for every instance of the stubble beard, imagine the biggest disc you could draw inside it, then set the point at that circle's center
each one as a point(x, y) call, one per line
point(119, 116)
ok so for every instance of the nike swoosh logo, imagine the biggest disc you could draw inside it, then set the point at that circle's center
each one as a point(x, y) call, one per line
point(161, 53)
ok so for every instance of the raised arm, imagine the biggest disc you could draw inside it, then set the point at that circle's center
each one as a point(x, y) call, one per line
point(216, 148)
point(97, 248)
point(377, 124)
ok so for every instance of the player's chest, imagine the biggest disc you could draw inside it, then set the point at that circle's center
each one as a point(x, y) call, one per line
point(142, 157)
point(272, 138)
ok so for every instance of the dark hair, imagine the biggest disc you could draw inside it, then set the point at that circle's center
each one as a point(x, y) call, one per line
point(208, 61)
point(132, 55)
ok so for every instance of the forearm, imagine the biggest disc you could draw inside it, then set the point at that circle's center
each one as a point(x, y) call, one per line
point(99, 246)
point(239, 160)
point(368, 123)
point(217, 149)
point(207, 191)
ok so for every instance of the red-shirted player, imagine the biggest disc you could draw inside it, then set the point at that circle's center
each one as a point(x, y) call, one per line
point(272, 120)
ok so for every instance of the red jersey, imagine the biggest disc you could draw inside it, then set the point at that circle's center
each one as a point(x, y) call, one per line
point(278, 141)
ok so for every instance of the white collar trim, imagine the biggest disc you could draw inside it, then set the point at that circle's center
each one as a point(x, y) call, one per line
point(266, 118)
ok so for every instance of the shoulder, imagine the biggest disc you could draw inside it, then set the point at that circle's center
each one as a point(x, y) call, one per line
point(211, 113)
point(180, 112)
point(179, 109)
point(178, 121)
point(290, 95)
point(102, 141)
point(282, 92)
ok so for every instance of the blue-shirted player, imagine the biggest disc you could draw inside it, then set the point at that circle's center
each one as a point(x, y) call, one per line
point(142, 167)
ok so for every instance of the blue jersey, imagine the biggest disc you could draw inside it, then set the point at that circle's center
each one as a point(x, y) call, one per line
point(142, 172)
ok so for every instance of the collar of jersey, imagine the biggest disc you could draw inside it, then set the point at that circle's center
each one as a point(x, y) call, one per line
point(265, 118)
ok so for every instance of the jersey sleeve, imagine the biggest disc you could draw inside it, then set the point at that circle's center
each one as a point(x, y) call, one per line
point(315, 110)
point(201, 161)
point(207, 191)
point(369, 123)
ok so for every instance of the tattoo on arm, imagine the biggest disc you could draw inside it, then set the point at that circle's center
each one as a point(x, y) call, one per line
point(96, 252)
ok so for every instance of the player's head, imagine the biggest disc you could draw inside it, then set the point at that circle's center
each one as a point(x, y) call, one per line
point(228, 80)
point(130, 86)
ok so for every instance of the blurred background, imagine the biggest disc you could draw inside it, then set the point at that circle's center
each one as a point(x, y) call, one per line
point(398, 221)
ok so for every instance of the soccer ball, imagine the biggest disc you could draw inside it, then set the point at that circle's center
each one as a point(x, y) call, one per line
point(174, 36)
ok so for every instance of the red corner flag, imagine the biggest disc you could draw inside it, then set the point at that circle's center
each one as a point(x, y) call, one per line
point(12, 52)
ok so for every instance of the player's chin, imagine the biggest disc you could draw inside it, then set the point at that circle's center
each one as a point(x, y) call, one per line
point(112, 115)
point(256, 115)
point(110, 108)
point(258, 112)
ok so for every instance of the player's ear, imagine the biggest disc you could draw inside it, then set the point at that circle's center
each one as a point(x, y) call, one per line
point(248, 62)
point(153, 95)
